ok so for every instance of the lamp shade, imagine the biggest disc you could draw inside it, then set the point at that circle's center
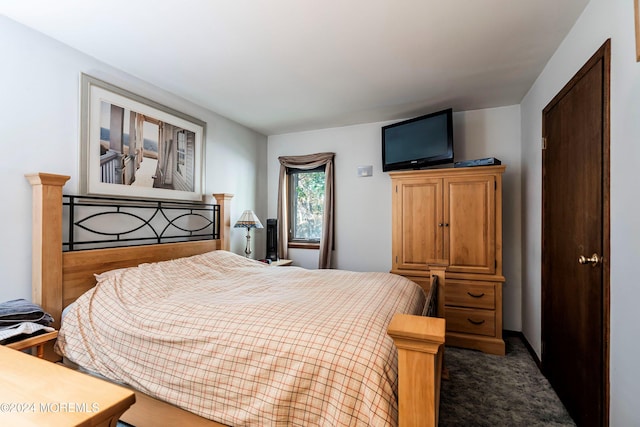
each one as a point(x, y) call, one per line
point(248, 220)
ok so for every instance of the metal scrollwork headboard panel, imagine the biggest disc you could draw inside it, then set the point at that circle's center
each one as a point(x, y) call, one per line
point(104, 222)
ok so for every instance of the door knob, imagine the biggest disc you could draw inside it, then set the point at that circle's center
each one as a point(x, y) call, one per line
point(594, 260)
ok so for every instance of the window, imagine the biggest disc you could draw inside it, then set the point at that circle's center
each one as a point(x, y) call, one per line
point(306, 205)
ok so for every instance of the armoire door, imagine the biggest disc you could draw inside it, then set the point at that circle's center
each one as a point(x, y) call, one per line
point(469, 224)
point(417, 236)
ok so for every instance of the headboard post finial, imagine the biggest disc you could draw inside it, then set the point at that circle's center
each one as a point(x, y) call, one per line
point(224, 200)
point(46, 251)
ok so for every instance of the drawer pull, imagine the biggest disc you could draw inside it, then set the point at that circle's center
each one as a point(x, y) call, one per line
point(476, 322)
point(475, 295)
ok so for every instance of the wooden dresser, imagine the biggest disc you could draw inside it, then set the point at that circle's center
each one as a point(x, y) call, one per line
point(452, 218)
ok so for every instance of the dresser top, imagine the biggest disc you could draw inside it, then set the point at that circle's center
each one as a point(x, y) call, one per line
point(37, 392)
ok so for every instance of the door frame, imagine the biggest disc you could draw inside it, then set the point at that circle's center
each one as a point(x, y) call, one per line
point(604, 54)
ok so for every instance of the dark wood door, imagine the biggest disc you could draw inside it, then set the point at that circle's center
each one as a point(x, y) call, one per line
point(575, 223)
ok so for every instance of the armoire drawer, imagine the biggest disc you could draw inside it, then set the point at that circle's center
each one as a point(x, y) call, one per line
point(471, 321)
point(470, 294)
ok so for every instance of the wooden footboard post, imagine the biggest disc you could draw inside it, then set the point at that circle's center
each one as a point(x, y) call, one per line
point(420, 343)
point(224, 199)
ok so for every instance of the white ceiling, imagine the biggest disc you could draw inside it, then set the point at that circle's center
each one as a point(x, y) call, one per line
point(282, 66)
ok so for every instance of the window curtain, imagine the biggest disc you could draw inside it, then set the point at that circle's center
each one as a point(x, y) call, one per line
point(309, 161)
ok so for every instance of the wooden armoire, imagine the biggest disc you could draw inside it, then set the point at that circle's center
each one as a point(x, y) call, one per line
point(452, 219)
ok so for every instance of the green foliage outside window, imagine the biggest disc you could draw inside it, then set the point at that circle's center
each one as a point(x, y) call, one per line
point(307, 202)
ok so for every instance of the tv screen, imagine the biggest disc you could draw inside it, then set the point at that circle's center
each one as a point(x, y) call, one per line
point(418, 143)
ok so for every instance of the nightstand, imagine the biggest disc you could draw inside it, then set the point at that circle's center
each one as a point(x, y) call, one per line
point(281, 262)
point(37, 341)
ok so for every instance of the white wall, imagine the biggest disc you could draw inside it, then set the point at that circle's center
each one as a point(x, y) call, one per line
point(39, 83)
point(600, 20)
point(363, 205)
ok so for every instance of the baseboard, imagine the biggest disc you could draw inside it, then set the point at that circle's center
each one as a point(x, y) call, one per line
point(520, 335)
point(490, 345)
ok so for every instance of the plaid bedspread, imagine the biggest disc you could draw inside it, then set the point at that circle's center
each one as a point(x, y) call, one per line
point(246, 344)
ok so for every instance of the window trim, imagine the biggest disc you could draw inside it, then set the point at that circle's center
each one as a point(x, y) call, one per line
point(297, 244)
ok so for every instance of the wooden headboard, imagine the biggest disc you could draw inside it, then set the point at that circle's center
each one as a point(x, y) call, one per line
point(58, 277)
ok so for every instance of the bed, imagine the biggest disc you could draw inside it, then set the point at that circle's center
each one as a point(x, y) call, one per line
point(412, 375)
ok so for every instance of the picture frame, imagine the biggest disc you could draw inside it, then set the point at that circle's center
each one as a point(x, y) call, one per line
point(636, 14)
point(131, 146)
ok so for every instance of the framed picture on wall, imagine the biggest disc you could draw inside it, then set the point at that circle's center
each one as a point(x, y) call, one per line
point(131, 146)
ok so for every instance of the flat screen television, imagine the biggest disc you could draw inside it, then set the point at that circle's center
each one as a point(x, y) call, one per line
point(418, 143)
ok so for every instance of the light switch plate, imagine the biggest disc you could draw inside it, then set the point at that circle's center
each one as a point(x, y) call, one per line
point(365, 171)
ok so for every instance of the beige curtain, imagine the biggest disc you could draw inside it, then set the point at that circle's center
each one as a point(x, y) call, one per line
point(309, 161)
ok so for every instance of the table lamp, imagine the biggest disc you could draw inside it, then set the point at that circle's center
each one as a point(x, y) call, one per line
point(248, 220)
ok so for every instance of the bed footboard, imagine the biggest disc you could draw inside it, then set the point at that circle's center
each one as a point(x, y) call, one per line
point(420, 343)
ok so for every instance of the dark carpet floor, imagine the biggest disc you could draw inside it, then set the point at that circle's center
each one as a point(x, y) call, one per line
point(488, 390)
